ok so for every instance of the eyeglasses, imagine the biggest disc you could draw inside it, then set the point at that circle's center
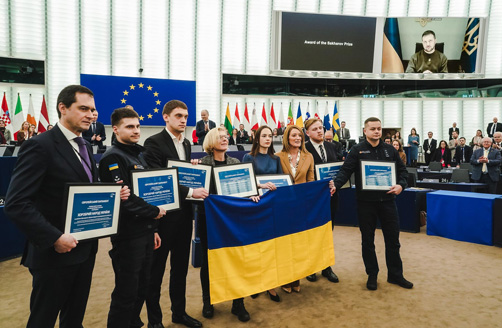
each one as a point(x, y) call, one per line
point(223, 138)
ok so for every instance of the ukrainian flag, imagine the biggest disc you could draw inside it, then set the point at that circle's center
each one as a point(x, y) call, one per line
point(299, 119)
point(258, 246)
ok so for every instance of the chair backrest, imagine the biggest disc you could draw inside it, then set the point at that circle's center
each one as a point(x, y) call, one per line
point(435, 166)
point(412, 170)
point(466, 166)
point(197, 149)
point(460, 175)
point(412, 180)
point(439, 46)
point(247, 147)
point(233, 148)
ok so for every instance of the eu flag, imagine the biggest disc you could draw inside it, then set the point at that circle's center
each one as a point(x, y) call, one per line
point(146, 96)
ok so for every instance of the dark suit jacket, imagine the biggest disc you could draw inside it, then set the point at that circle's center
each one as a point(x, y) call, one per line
point(498, 128)
point(36, 198)
point(100, 131)
point(437, 156)
point(467, 154)
point(451, 130)
point(200, 130)
point(159, 149)
point(432, 146)
point(493, 165)
point(242, 139)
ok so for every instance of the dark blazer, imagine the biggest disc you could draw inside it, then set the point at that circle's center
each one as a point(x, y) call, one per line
point(451, 130)
point(498, 128)
point(467, 155)
point(200, 130)
point(232, 142)
point(36, 198)
point(437, 156)
point(432, 146)
point(242, 139)
point(493, 165)
point(100, 131)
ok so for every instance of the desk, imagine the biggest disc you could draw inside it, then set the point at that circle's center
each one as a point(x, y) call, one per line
point(470, 186)
point(409, 204)
point(441, 176)
point(462, 216)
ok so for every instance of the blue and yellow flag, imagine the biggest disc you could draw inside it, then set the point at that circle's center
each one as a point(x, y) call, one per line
point(391, 48)
point(470, 48)
point(336, 119)
point(146, 96)
point(258, 246)
point(299, 118)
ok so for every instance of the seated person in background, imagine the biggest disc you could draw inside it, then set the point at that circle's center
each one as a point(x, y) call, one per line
point(428, 60)
point(387, 140)
point(330, 137)
point(463, 152)
point(234, 137)
point(442, 154)
point(276, 137)
point(5, 136)
point(399, 147)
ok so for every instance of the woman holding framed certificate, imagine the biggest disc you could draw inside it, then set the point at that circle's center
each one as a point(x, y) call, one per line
point(265, 162)
point(216, 145)
point(299, 164)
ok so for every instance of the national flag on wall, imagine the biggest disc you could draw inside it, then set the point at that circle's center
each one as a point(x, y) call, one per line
point(307, 114)
point(391, 50)
point(43, 120)
point(247, 122)
point(299, 119)
point(267, 245)
point(147, 96)
point(237, 119)
point(31, 113)
point(327, 124)
point(470, 48)
point(228, 120)
point(263, 116)
point(5, 114)
point(316, 111)
point(290, 116)
point(272, 116)
point(336, 120)
point(254, 119)
point(17, 119)
point(280, 119)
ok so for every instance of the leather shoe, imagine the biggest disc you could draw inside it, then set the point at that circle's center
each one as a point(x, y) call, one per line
point(156, 325)
point(328, 273)
point(372, 282)
point(275, 298)
point(187, 320)
point(239, 310)
point(401, 282)
point(312, 277)
point(208, 311)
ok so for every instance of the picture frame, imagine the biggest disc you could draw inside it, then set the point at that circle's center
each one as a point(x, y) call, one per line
point(157, 187)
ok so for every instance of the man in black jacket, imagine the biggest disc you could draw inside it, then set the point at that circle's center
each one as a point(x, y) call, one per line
point(176, 232)
point(203, 126)
point(323, 152)
point(429, 146)
point(96, 133)
point(373, 205)
point(135, 241)
point(463, 152)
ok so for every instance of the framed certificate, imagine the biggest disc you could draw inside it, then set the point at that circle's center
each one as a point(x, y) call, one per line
point(192, 176)
point(92, 210)
point(158, 187)
point(378, 175)
point(328, 171)
point(235, 180)
point(280, 180)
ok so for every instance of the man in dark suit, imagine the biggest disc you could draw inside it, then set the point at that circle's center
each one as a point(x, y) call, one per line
point(60, 265)
point(242, 135)
point(493, 127)
point(463, 152)
point(203, 126)
point(429, 146)
point(175, 229)
point(323, 152)
point(96, 133)
point(453, 129)
point(486, 165)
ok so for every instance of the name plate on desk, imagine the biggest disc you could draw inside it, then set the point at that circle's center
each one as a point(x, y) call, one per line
point(279, 180)
point(192, 176)
point(92, 210)
point(378, 175)
point(235, 180)
point(157, 187)
point(328, 171)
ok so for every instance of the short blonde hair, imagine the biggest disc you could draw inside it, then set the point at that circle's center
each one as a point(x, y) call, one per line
point(285, 139)
point(212, 138)
point(311, 121)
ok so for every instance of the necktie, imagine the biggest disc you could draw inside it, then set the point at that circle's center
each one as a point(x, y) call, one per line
point(484, 164)
point(343, 133)
point(463, 155)
point(94, 128)
point(494, 126)
point(323, 155)
point(84, 156)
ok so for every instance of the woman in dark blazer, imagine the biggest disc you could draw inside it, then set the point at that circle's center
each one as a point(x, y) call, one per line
point(442, 154)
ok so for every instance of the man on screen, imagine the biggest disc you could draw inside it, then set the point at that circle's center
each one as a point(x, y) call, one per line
point(428, 60)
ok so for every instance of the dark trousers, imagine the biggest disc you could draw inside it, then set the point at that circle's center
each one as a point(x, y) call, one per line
point(176, 237)
point(64, 290)
point(428, 158)
point(492, 185)
point(132, 260)
point(386, 212)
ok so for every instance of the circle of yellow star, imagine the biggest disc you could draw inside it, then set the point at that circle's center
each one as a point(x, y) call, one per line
point(126, 92)
point(141, 85)
point(158, 102)
point(132, 86)
point(141, 118)
point(156, 110)
point(155, 94)
point(149, 88)
point(123, 101)
point(150, 115)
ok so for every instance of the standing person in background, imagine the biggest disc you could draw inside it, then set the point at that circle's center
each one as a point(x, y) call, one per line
point(477, 140)
point(486, 165)
point(251, 136)
point(203, 126)
point(96, 133)
point(398, 137)
point(463, 152)
point(5, 135)
point(23, 133)
point(453, 129)
point(377, 205)
point(242, 137)
point(399, 147)
point(493, 127)
point(497, 140)
point(452, 144)
point(323, 152)
point(413, 142)
point(429, 147)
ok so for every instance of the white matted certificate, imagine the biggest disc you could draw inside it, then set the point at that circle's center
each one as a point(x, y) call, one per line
point(328, 171)
point(157, 187)
point(192, 176)
point(235, 180)
point(92, 210)
point(280, 180)
point(378, 175)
